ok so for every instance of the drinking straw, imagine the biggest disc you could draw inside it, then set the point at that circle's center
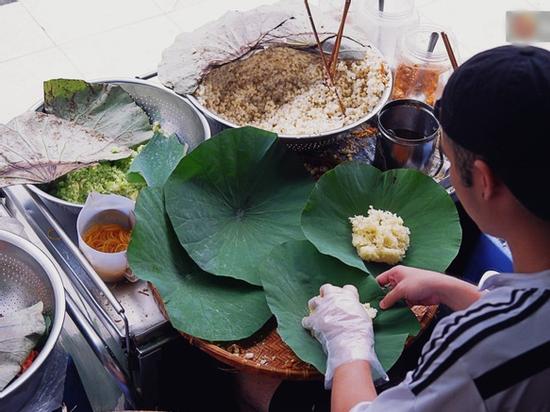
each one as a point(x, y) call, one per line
point(434, 37)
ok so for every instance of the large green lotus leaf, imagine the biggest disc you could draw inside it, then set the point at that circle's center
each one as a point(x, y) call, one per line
point(103, 107)
point(350, 188)
point(234, 198)
point(293, 274)
point(199, 304)
point(157, 160)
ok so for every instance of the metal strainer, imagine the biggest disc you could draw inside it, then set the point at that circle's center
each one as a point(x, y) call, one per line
point(172, 112)
point(27, 276)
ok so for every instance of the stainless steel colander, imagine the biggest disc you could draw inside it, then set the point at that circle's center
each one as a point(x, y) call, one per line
point(27, 276)
point(171, 111)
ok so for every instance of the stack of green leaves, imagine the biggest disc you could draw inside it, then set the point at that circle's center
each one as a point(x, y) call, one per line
point(201, 237)
point(238, 231)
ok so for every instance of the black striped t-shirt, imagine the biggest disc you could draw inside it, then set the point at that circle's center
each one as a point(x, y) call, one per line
point(493, 356)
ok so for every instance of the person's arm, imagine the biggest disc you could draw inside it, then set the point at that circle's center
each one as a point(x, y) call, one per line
point(423, 287)
point(352, 385)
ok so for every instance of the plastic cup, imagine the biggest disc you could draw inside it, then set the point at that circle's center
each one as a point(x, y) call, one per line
point(106, 209)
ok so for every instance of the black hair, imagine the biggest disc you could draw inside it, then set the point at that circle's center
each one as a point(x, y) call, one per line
point(464, 159)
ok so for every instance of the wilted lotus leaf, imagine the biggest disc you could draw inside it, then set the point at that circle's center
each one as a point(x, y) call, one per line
point(105, 108)
point(39, 148)
point(236, 35)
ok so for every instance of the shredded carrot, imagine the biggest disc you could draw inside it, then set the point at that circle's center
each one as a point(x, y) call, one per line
point(28, 361)
point(108, 238)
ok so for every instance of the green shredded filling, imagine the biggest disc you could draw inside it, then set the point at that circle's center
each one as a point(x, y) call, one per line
point(105, 177)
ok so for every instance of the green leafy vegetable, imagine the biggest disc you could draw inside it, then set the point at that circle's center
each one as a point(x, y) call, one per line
point(199, 304)
point(158, 159)
point(293, 274)
point(105, 177)
point(105, 108)
point(349, 189)
point(234, 198)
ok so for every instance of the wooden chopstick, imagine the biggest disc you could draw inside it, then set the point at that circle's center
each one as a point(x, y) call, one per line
point(324, 60)
point(449, 49)
point(337, 44)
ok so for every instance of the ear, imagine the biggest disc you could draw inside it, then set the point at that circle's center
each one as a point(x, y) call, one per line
point(485, 180)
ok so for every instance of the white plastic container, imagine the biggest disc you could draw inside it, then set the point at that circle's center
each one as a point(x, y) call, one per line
point(419, 74)
point(111, 267)
point(383, 28)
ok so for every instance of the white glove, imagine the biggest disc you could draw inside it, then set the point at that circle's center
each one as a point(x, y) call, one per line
point(340, 322)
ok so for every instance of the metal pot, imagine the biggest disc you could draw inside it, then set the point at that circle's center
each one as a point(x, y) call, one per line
point(26, 277)
point(407, 135)
point(305, 142)
point(174, 114)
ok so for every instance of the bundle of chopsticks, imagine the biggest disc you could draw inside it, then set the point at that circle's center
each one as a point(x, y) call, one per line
point(330, 65)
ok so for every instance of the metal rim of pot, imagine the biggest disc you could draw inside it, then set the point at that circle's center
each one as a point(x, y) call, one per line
point(58, 314)
point(38, 107)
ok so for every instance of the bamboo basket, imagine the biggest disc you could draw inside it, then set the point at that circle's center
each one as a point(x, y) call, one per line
point(266, 354)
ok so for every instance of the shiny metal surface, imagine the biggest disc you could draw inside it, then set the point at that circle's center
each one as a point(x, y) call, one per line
point(26, 277)
point(101, 350)
point(106, 348)
point(300, 143)
point(395, 151)
point(174, 114)
point(65, 251)
point(124, 316)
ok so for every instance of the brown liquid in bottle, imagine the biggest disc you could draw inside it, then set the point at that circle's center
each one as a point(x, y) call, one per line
point(416, 82)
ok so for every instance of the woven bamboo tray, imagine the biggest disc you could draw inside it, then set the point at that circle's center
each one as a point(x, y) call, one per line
point(265, 353)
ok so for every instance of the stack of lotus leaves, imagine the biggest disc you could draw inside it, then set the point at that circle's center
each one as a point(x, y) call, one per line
point(240, 232)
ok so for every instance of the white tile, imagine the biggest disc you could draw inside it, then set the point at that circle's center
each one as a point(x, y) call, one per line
point(66, 20)
point(244, 5)
point(21, 79)
point(168, 6)
point(123, 52)
point(19, 33)
point(191, 17)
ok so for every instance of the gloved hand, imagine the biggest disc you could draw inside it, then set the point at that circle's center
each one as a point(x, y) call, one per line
point(340, 322)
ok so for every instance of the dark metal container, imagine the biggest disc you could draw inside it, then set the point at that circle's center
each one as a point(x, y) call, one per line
point(407, 137)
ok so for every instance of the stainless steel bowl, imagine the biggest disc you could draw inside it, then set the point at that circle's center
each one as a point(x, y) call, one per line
point(174, 114)
point(305, 142)
point(27, 276)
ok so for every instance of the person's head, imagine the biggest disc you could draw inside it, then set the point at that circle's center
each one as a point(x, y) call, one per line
point(495, 116)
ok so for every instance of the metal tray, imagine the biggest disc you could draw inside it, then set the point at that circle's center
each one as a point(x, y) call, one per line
point(121, 322)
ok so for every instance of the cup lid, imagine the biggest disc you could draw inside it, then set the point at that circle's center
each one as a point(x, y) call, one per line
point(415, 42)
point(393, 9)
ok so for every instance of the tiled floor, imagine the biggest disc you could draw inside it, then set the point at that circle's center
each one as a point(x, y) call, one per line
point(40, 39)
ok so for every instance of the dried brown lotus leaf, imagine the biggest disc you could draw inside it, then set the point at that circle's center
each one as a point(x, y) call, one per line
point(236, 35)
point(39, 148)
